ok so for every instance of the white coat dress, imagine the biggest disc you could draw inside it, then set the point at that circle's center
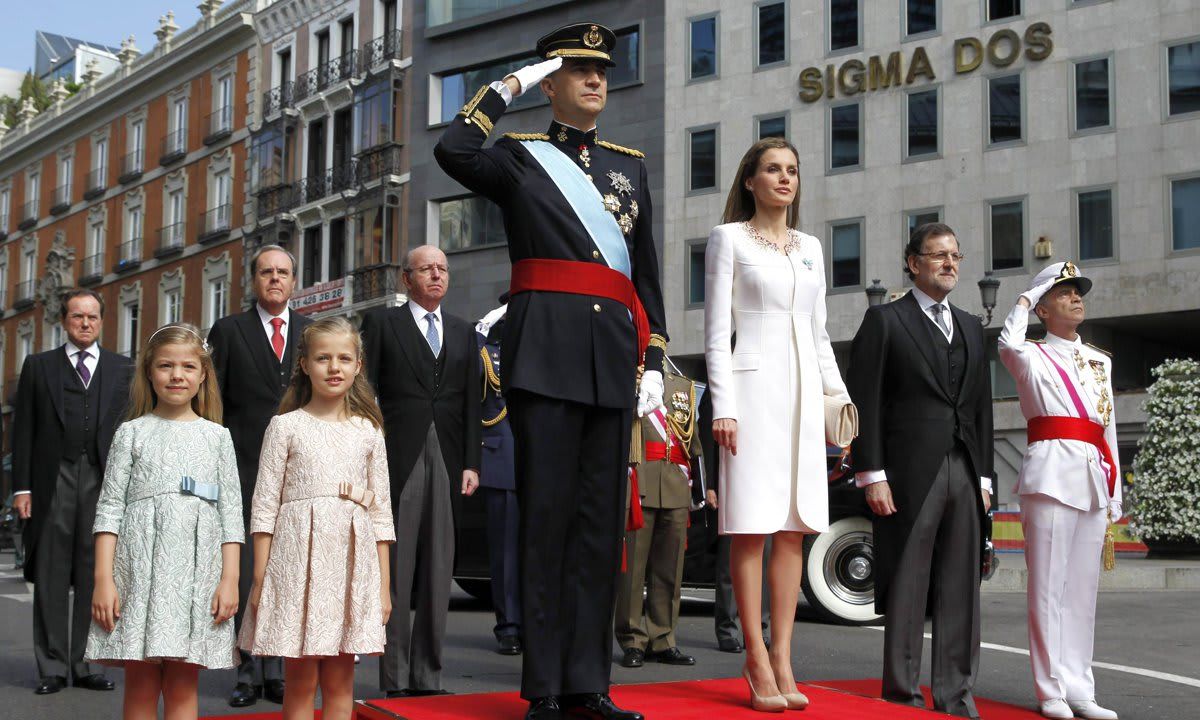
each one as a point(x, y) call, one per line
point(773, 382)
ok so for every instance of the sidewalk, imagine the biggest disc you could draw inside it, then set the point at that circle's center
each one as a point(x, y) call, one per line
point(1133, 572)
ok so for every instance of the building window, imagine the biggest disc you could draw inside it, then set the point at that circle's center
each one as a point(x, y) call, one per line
point(916, 218)
point(845, 250)
point(177, 139)
point(1004, 109)
point(845, 136)
point(1094, 224)
point(375, 115)
point(129, 329)
point(440, 12)
point(702, 159)
point(457, 87)
point(1002, 9)
point(266, 159)
point(921, 125)
point(1183, 78)
point(100, 161)
point(65, 168)
point(218, 299)
point(1007, 234)
point(223, 112)
point(772, 126)
point(172, 306)
point(1093, 94)
point(702, 48)
point(1185, 214)
point(845, 24)
point(695, 276)
point(33, 198)
point(469, 222)
point(920, 16)
point(771, 33)
point(4, 208)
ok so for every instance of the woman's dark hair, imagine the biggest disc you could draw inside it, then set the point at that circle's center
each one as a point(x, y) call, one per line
point(739, 205)
point(916, 240)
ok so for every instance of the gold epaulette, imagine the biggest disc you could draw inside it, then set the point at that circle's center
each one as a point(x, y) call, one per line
point(658, 341)
point(1099, 350)
point(527, 136)
point(621, 148)
point(1039, 341)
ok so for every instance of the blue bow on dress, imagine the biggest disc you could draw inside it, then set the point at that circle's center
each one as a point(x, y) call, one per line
point(202, 490)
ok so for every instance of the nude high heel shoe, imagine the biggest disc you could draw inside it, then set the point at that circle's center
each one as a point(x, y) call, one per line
point(771, 703)
point(795, 700)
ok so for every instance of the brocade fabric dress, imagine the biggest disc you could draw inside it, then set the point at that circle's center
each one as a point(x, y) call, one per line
point(167, 562)
point(321, 592)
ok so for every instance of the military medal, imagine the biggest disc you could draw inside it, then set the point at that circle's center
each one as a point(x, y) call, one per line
point(633, 209)
point(562, 134)
point(620, 183)
point(1104, 407)
point(613, 205)
point(584, 156)
point(626, 223)
point(680, 405)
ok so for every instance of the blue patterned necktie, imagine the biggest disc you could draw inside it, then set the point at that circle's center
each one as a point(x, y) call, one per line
point(431, 334)
point(80, 367)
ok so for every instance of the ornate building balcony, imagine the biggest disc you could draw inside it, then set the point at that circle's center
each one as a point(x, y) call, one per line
point(62, 199)
point(24, 297)
point(29, 216)
point(133, 164)
point(220, 125)
point(374, 282)
point(215, 224)
point(97, 183)
point(129, 255)
point(277, 99)
point(275, 200)
point(174, 146)
point(92, 271)
point(379, 162)
point(170, 240)
point(380, 51)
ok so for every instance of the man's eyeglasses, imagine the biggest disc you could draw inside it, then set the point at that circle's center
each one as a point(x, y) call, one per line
point(942, 257)
point(428, 269)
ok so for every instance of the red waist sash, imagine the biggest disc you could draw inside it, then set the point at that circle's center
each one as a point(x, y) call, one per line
point(658, 451)
point(1056, 427)
point(583, 278)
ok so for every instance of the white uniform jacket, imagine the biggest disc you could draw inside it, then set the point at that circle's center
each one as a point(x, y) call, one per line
point(1070, 471)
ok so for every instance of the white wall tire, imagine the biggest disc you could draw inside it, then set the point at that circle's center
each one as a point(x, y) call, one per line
point(839, 573)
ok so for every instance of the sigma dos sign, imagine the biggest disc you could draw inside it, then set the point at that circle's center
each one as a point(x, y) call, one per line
point(877, 73)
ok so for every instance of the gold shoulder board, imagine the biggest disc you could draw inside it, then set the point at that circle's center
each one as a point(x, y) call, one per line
point(621, 149)
point(527, 136)
point(1038, 341)
point(1099, 350)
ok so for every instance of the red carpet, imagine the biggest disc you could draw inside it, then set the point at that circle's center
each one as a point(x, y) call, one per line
point(705, 699)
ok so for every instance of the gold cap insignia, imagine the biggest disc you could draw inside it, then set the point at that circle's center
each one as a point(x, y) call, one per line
point(592, 37)
point(1069, 270)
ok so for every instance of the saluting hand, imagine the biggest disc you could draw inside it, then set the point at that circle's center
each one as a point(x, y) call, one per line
point(531, 75)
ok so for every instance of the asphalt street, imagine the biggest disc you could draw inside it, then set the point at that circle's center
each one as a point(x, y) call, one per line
point(1144, 633)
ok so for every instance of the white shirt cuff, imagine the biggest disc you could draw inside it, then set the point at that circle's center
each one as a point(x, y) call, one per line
point(502, 87)
point(985, 483)
point(869, 477)
point(21, 492)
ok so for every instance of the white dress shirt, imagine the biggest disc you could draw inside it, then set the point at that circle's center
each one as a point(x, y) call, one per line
point(89, 362)
point(266, 319)
point(419, 314)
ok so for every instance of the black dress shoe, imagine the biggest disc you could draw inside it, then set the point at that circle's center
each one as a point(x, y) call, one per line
point(94, 682)
point(243, 695)
point(634, 658)
point(544, 708)
point(596, 706)
point(729, 645)
point(50, 685)
point(510, 645)
point(273, 691)
point(671, 656)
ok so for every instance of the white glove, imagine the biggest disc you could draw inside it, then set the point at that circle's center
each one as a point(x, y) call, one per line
point(1114, 510)
point(1035, 293)
point(650, 392)
point(531, 75)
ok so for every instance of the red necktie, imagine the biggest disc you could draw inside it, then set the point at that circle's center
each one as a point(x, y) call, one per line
point(277, 338)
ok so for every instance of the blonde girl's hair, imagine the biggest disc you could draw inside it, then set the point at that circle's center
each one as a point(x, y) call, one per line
point(739, 206)
point(360, 400)
point(207, 401)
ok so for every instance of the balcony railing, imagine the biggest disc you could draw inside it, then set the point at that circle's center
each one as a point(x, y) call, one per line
point(380, 50)
point(174, 146)
point(220, 125)
point(93, 268)
point(62, 199)
point(335, 180)
point(3, 298)
point(215, 223)
point(3, 226)
point(170, 240)
point(29, 215)
point(378, 161)
point(376, 281)
point(96, 184)
point(276, 199)
point(277, 98)
point(24, 297)
point(129, 255)
point(132, 166)
point(329, 73)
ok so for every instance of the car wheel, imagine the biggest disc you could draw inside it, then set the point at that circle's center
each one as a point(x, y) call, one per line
point(476, 588)
point(839, 573)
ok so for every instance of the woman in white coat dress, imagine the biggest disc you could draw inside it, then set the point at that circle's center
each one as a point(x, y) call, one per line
point(765, 284)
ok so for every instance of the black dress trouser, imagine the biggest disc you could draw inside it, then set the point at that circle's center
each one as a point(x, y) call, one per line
point(571, 463)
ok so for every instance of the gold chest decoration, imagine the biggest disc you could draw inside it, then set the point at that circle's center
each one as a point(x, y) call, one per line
point(562, 134)
point(620, 183)
point(681, 418)
point(611, 203)
point(633, 209)
point(1104, 406)
point(584, 156)
point(626, 223)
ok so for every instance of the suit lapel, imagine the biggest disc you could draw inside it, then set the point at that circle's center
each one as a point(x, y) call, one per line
point(54, 378)
point(911, 317)
point(255, 336)
point(408, 336)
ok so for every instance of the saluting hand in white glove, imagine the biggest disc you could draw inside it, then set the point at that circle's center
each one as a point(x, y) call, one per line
point(650, 392)
point(531, 75)
point(1035, 293)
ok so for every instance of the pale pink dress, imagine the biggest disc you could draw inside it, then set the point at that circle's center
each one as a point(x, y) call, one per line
point(321, 592)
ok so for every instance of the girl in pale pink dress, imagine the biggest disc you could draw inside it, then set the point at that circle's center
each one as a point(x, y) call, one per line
point(321, 521)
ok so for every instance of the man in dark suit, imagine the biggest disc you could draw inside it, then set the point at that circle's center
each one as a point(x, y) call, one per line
point(69, 403)
point(498, 486)
point(586, 309)
point(255, 353)
point(919, 376)
point(422, 363)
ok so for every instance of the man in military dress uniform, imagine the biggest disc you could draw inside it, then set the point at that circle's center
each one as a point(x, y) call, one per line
point(1068, 484)
point(586, 308)
point(661, 484)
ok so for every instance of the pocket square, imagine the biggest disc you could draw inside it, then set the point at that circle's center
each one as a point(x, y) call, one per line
point(202, 490)
point(360, 495)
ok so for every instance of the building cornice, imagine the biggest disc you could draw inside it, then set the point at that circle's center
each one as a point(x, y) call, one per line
point(286, 16)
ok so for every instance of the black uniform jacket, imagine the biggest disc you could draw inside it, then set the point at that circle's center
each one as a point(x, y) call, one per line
point(572, 347)
point(909, 419)
point(401, 368)
point(38, 428)
point(253, 382)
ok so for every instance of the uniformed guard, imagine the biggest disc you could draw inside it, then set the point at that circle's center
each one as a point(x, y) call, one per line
point(498, 487)
point(664, 484)
point(586, 308)
point(1068, 485)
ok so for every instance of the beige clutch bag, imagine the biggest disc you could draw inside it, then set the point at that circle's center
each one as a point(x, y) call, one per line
point(841, 422)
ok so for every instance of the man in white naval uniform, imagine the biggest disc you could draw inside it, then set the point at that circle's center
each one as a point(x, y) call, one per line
point(1067, 484)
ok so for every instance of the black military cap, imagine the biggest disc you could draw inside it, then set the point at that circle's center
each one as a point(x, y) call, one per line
point(584, 41)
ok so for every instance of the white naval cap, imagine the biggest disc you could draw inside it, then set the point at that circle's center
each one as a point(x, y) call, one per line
point(1063, 272)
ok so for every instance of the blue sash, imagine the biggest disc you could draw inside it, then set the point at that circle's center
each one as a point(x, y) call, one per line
point(585, 200)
